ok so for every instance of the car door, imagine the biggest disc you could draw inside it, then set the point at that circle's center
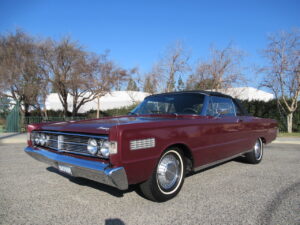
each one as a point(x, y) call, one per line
point(222, 129)
point(247, 127)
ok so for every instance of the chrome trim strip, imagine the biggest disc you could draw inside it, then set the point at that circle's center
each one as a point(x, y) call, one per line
point(97, 171)
point(196, 169)
point(70, 143)
point(71, 152)
point(71, 134)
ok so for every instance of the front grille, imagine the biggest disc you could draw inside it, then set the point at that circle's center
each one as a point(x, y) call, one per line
point(69, 142)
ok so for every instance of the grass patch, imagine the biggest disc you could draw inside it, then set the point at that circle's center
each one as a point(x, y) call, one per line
point(1, 129)
point(289, 134)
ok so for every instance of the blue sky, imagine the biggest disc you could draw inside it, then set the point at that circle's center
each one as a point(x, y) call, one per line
point(137, 32)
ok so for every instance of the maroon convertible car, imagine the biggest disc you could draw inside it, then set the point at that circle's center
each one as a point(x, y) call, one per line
point(164, 138)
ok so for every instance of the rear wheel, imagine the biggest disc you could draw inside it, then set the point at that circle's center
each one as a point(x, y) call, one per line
point(167, 178)
point(255, 156)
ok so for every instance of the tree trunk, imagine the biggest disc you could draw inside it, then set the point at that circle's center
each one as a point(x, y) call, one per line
point(98, 107)
point(26, 109)
point(65, 110)
point(64, 102)
point(45, 110)
point(45, 114)
point(290, 122)
point(74, 111)
point(75, 107)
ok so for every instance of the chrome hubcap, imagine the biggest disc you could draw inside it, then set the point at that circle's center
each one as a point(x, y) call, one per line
point(257, 149)
point(168, 171)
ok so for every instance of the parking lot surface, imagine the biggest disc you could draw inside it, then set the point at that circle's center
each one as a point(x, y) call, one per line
point(231, 193)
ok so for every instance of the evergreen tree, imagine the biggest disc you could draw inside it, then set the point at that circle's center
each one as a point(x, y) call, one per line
point(131, 86)
point(149, 85)
point(180, 84)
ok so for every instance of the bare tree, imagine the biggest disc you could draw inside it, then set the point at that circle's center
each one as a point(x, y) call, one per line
point(108, 76)
point(20, 77)
point(220, 71)
point(77, 74)
point(153, 81)
point(134, 85)
point(59, 60)
point(82, 83)
point(173, 63)
point(282, 74)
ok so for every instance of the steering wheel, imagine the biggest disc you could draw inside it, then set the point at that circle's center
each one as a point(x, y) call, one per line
point(187, 110)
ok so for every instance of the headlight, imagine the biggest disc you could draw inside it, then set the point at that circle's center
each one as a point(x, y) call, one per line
point(43, 139)
point(37, 138)
point(92, 146)
point(104, 150)
point(108, 148)
point(32, 138)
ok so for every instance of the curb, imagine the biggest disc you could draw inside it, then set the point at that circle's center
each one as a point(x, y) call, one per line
point(287, 142)
point(19, 138)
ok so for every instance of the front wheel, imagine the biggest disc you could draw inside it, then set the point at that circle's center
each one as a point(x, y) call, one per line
point(255, 156)
point(167, 178)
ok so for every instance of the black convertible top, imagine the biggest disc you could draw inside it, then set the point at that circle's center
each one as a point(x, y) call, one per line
point(207, 93)
point(210, 93)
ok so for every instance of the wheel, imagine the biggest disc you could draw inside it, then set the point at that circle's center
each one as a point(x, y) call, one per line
point(167, 178)
point(255, 156)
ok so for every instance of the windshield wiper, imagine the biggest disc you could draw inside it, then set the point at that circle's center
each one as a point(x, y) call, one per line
point(163, 113)
point(133, 113)
point(156, 112)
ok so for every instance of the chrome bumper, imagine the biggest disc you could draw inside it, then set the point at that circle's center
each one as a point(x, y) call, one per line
point(97, 171)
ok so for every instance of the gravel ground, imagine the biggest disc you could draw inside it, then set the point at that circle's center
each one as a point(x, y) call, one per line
point(231, 193)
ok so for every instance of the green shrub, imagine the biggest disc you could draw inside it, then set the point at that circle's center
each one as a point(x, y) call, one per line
point(271, 110)
point(255, 108)
point(111, 112)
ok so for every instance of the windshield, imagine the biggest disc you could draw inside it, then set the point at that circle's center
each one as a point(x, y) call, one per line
point(183, 103)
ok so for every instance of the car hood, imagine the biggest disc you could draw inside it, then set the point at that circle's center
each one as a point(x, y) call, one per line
point(102, 126)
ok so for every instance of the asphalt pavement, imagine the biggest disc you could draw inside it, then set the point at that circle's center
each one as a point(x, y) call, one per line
point(231, 193)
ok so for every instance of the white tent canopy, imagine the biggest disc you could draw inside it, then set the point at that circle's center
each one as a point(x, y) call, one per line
point(248, 93)
point(115, 99)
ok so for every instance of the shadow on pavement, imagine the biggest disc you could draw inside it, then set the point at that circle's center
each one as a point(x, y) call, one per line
point(239, 159)
point(115, 221)
point(93, 184)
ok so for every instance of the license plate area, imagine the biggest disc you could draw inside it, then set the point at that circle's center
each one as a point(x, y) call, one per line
point(65, 169)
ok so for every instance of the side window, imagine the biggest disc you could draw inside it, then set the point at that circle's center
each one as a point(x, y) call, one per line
point(237, 110)
point(220, 106)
